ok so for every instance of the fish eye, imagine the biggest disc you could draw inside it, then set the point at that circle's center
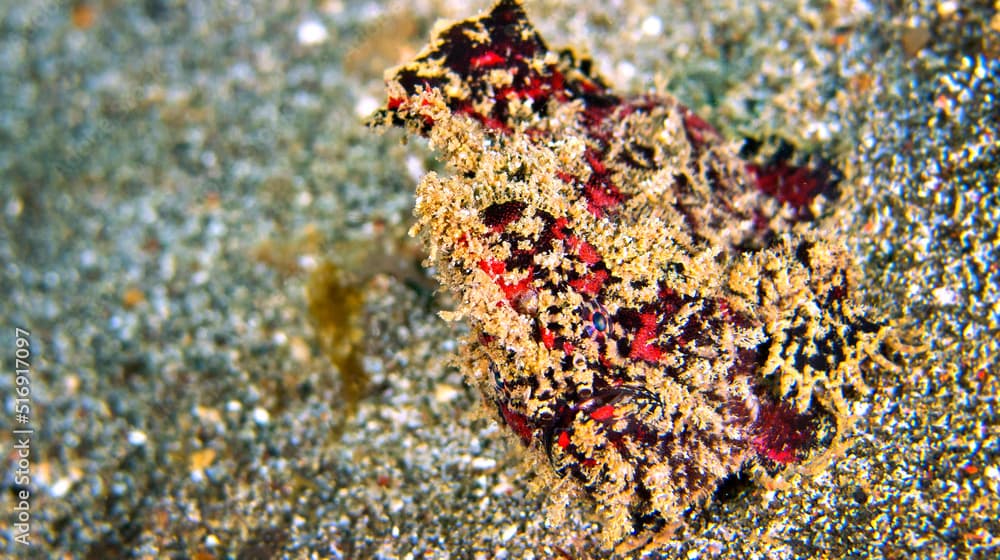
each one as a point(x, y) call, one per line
point(600, 321)
point(526, 302)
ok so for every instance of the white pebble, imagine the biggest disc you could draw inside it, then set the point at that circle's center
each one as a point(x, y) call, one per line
point(444, 393)
point(396, 505)
point(652, 26)
point(625, 71)
point(261, 416)
point(311, 32)
point(304, 199)
point(307, 262)
point(88, 258)
point(503, 488)
point(945, 296)
point(483, 464)
point(365, 106)
point(14, 207)
point(947, 8)
point(415, 167)
point(137, 437)
point(508, 532)
point(279, 338)
point(60, 488)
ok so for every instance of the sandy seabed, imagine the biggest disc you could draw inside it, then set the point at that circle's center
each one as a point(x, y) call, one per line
point(177, 179)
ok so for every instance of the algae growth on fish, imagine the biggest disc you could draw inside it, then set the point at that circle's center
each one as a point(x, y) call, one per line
point(650, 312)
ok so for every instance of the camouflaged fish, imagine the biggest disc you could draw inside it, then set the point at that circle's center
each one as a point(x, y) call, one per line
point(642, 318)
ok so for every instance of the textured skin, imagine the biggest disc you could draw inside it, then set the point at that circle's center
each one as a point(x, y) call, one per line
point(642, 317)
